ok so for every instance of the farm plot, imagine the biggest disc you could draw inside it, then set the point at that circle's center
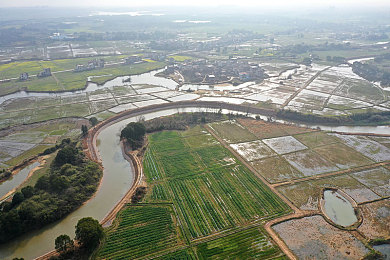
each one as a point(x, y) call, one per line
point(141, 231)
point(252, 243)
point(276, 169)
point(210, 190)
point(305, 194)
point(309, 163)
point(342, 156)
point(232, 132)
point(376, 219)
point(366, 146)
point(254, 150)
point(201, 140)
point(361, 90)
point(315, 100)
point(262, 129)
point(284, 144)
point(377, 179)
point(315, 139)
point(311, 237)
point(180, 254)
point(344, 103)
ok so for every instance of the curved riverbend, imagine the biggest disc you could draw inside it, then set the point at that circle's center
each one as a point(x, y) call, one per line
point(117, 175)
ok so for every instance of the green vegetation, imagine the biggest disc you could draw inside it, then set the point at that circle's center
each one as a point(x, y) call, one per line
point(69, 80)
point(232, 132)
point(134, 134)
point(180, 58)
point(202, 187)
point(27, 154)
point(89, 233)
point(211, 191)
point(251, 243)
point(140, 231)
point(71, 180)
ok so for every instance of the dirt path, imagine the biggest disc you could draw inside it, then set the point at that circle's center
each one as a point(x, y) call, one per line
point(303, 87)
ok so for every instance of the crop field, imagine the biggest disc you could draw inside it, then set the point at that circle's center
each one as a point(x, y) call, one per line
point(366, 146)
point(376, 219)
point(284, 145)
point(254, 150)
point(315, 139)
point(232, 132)
point(276, 169)
point(311, 237)
point(16, 147)
point(194, 173)
point(208, 191)
point(305, 195)
point(342, 156)
point(377, 179)
point(141, 231)
point(309, 163)
point(252, 243)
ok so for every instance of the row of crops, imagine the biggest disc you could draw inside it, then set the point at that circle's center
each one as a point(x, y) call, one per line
point(142, 230)
point(197, 182)
point(248, 244)
point(211, 191)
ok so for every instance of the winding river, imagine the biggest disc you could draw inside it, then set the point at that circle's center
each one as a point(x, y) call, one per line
point(118, 173)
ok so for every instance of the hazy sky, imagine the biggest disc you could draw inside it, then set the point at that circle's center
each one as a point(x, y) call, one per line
point(129, 3)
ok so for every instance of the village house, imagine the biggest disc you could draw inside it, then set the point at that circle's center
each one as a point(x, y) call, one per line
point(45, 73)
point(132, 59)
point(23, 76)
point(93, 64)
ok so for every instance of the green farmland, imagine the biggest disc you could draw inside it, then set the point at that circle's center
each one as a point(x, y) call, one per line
point(211, 194)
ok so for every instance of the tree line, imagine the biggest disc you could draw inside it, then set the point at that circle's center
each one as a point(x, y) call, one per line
point(70, 180)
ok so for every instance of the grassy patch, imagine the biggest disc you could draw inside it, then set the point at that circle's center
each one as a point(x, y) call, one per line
point(232, 132)
point(342, 155)
point(27, 154)
point(315, 139)
point(276, 169)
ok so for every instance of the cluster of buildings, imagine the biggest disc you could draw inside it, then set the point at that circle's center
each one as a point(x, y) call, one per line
point(204, 71)
point(45, 73)
point(91, 65)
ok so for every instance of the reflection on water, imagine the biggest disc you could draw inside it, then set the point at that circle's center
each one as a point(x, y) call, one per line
point(16, 180)
point(338, 208)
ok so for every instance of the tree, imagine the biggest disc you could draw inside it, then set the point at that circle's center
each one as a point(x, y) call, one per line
point(93, 120)
point(63, 243)
point(28, 191)
point(17, 198)
point(134, 133)
point(89, 233)
point(84, 130)
point(66, 155)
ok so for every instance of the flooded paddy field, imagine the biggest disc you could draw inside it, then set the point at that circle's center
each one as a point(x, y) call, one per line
point(312, 237)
